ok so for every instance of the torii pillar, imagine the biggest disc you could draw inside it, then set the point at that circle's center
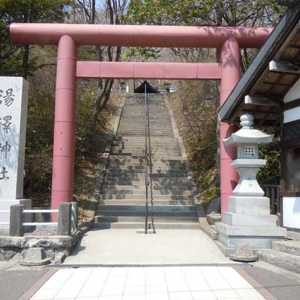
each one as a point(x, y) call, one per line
point(230, 63)
point(64, 123)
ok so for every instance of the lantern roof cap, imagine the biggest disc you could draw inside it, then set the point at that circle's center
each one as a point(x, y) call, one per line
point(248, 134)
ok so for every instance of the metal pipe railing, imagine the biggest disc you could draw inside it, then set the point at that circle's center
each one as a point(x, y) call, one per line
point(67, 222)
point(146, 157)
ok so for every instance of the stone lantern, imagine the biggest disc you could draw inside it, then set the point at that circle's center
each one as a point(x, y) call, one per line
point(248, 219)
point(247, 163)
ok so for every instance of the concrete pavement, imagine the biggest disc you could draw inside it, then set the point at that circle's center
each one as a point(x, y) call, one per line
point(126, 246)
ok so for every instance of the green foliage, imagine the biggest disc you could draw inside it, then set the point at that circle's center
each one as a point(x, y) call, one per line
point(88, 135)
point(203, 12)
point(39, 139)
point(15, 59)
point(264, 13)
point(196, 118)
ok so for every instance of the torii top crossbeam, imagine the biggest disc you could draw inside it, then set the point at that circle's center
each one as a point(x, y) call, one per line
point(138, 36)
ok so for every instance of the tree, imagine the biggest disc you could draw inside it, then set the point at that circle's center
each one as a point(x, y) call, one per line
point(15, 59)
point(109, 12)
point(264, 13)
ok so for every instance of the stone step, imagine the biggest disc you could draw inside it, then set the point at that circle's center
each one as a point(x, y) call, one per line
point(141, 139)
point(100, 218)
point(156, 185)
point(137, 128)
point(152, 149)
point(142, 144)
point(289, 246)
point(141, 192)
point(152, 209)
point(141, 188)
point(280, 259)
point(106, 196)
point(153, 154)
point(142, 202)
point(157, 168)
point(171, 186)
point(141, 225)
point(140, 126)
point(129, 213)
point(142, 148)
point(140, 131)
point(164, 178)
point(141, 160)
point(156, 173)
point(156, 165)
point(132, 122)
point(139, 116)
point(154, 158)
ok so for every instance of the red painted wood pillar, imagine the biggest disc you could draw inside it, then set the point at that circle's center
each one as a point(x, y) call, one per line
point(230, 62)
point(64, 124)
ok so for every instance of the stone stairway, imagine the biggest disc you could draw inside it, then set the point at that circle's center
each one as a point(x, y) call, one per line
point(171, 192)
point(284, 254)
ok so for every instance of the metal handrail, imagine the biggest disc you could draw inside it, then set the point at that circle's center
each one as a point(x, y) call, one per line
point(146, 157)
point(148, 167)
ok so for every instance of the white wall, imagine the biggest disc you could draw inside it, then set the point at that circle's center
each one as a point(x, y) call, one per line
point(294, 113)
point(291, 212)
point(291, 205)
point(294, 93)
point(291, 115)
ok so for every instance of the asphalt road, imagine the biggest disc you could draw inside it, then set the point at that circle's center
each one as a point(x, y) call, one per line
point(281, 287)
point(13, 284)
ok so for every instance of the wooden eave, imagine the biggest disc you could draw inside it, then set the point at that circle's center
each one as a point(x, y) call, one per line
point(259, 82)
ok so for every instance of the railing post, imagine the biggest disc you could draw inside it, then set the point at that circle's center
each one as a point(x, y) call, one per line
point(278, 200)
point(74, 219)
point(64, 219)
point(16, 220)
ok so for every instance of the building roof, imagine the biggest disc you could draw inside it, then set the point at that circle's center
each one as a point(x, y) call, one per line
point(275, 69)
point(149, 88)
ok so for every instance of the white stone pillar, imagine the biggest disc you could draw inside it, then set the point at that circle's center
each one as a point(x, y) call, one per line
point(13, 119)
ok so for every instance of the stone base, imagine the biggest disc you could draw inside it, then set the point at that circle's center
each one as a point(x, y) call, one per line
point(243, 220)
point(5, 204)
point(257, 237)
point(243, 253)
point(249, 205)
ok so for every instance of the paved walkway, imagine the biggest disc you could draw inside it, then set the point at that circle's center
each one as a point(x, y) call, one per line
point(126, 246)
point(147, 283)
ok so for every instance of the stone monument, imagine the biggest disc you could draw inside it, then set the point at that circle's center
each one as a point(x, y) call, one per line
point(248, 220)
point(13, 119)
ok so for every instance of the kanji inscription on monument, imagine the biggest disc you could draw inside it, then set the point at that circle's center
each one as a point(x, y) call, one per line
point(13, 117)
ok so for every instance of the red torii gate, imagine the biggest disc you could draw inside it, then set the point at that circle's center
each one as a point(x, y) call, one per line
point(69, 36)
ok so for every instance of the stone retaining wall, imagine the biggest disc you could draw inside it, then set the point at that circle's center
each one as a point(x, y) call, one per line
point(55, 246)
